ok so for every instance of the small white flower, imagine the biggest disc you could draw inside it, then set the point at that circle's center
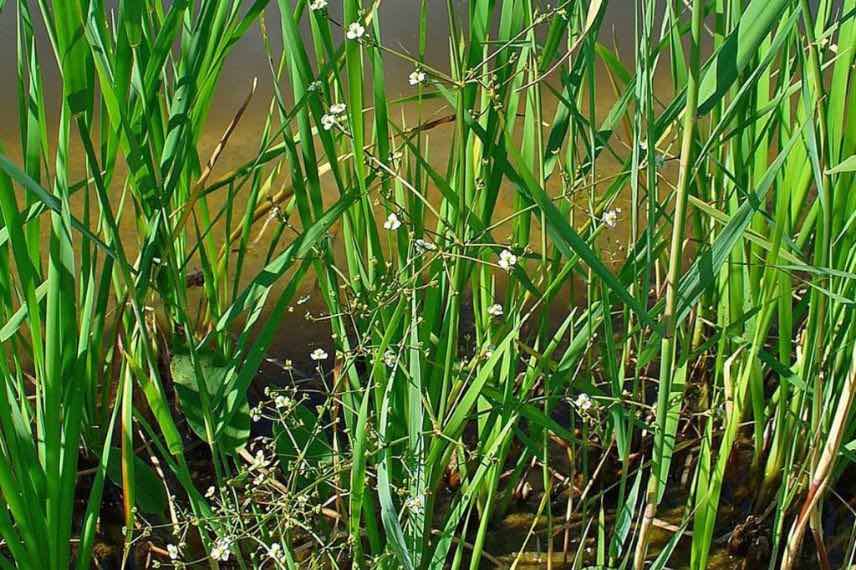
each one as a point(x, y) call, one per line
point(389, 358)
point(255, 414)
point(413, 504)
point(316, 5)
point(210, 492)
point(259, 461)
point(275, 552)
point(220, 551)
point(329, 121)
point(422, 246)
point(495, 310)
point(318, 354)
point(337, 108)
point(610, 217)
point(173, 552)
point(282, 402)
point(583, 402)
point(507, 259)
point(417, 77)
point(392, 222)
point(355, 31)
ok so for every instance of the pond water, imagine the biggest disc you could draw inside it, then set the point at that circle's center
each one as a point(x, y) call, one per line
point(248, 61)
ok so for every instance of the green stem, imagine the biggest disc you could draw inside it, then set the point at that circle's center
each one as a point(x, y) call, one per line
point(674, 272)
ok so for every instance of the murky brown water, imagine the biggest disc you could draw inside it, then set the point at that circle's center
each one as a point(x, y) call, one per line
point(399, 20)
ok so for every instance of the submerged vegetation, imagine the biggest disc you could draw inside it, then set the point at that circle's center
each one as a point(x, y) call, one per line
point(620, 307)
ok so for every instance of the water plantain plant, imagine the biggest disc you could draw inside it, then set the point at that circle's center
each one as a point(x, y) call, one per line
point(617, 297)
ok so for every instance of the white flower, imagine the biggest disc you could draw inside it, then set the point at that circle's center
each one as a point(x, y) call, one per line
point(389, 358)
point(583, 402)
point(610, 217)
point(337, 108)
point(282, 402)
point(255, 414)
point(317, 5)
point(172, 550)
point(221, 549)
point(392, 222)
point(210, 492)
point(355, 31)
point(417, 77)
point(259, 461)
point(318, 354)
point(329, 121)
point(413, 504)
point(275, 552)
point(495, 310)
point(422, 246)
point(507, 259)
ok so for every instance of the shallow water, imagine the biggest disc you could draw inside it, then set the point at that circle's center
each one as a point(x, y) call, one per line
point(399, 30)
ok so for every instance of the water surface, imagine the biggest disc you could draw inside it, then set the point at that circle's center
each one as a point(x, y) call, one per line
point(248, 62)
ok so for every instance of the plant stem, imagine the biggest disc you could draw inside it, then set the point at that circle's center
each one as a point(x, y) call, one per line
point(667, 348)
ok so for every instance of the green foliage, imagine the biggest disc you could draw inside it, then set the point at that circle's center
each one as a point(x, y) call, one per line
point(151, 496)
point(604, 278)
point(230, 436)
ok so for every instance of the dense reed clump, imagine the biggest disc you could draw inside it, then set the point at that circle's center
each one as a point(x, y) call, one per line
point(617, 301)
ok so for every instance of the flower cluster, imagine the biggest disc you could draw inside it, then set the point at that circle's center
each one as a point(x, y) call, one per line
point(389, 358)
point(283, 402)
point(355, 31)
point(318, 355)
point(417, 77)
point(276, 553)
point(586, 407)
point(610, 217)
point(392, 222)
point(331, 118)
point(507, 260)
point(423, 246)
point(221, 549)
point(583, 403)
point(173, 551)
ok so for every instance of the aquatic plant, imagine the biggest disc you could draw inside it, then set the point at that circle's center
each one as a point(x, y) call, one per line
point(631, 277)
